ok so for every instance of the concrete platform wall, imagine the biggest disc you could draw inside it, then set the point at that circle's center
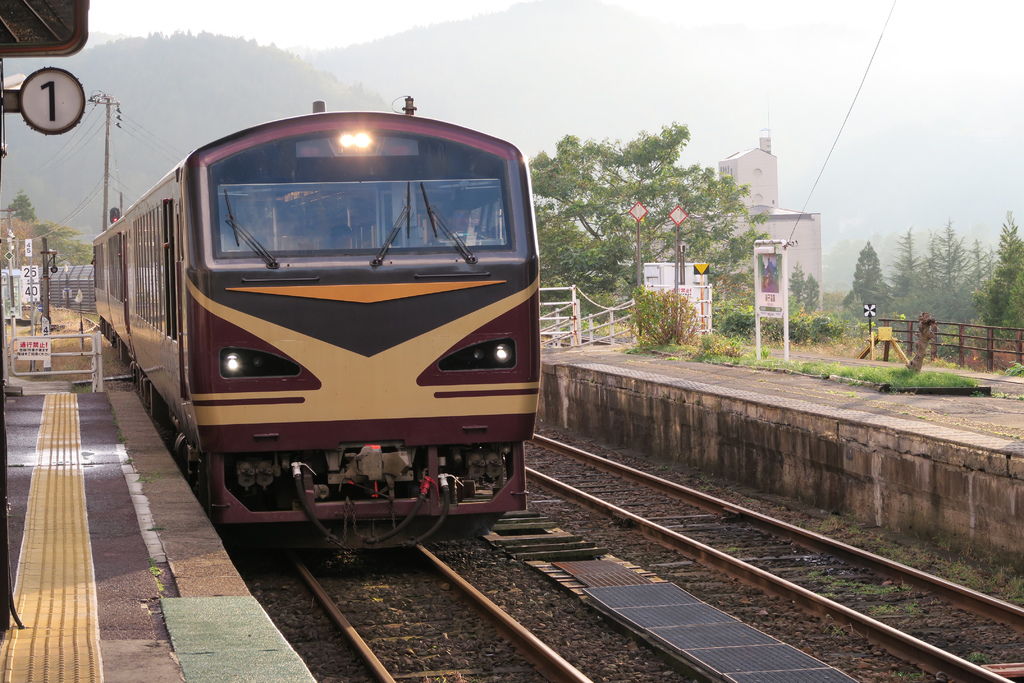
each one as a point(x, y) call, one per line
point(905, 475)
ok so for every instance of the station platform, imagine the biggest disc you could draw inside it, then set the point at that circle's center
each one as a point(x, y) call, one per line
point(933, 466)
point(119, 575)
point(1000, 417)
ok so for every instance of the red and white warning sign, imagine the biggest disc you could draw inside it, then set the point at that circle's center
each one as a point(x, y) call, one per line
point(32, 348)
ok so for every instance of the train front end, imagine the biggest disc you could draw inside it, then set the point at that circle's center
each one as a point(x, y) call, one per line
point(361, 359)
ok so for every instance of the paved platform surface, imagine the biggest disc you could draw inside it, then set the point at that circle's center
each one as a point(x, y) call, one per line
point(998, 417)
point(169, 604)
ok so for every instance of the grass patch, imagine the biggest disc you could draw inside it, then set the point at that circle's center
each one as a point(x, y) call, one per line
point(858, 587)
point(156, 573)
point(897, 377)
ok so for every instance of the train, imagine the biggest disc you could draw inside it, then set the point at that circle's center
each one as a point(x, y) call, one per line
point(336, 316)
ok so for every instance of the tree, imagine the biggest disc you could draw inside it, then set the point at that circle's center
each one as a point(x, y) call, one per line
point(22, 208)
point(66, 241)
point(980, 261)
point(946, 290)
point(995, 300)
point(812, 293)
point(803, 290)
point(582, 194)
point(905, 276)
point(869, 287)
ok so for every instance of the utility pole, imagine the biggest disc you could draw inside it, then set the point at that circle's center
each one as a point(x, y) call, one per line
point(49, 259)
point(108, 101)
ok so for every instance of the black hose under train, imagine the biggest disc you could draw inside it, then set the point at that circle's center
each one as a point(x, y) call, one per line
point(300, 492)
point(420, 499)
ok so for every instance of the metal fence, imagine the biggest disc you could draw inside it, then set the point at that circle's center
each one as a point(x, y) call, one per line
point(22, 349)
point(995, 348)
point(568, 317)
point(72, 287)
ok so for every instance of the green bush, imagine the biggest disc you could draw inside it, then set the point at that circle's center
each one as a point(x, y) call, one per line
point(719, 346)
point(1015, 370)
point(663, 318)
point(737, 320)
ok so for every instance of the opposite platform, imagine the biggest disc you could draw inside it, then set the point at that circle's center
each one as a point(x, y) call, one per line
point(108, 542)
point(933, 466)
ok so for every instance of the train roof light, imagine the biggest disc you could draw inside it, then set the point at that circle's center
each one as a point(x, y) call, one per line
point(358, 140)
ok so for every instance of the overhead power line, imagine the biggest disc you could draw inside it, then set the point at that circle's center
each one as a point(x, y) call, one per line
point(845, 119)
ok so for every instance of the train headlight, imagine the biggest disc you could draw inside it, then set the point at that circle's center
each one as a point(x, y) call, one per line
point(238, 362)
point(232, 364)
point(496, 354)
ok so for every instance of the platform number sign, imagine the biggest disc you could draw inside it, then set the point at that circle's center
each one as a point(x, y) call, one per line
point(52, 101)
point(870, 311)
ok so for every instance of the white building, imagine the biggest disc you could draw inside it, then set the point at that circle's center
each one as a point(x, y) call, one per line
point(759, 169)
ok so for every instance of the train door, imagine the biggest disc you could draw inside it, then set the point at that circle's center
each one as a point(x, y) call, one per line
point(172, 277)
point(122, 252)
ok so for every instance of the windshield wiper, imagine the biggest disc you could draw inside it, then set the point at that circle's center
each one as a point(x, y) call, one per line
point(437, 222)
point(248, 238)
point(383, 251)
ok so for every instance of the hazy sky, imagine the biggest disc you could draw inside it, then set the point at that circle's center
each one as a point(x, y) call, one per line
point(933, 136)
point(327, 23)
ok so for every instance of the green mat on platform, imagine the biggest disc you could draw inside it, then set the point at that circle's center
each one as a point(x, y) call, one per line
point(229, 638)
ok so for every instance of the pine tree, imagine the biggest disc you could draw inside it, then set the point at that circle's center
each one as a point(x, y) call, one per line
point(946, 290)
point(797, 287)
point(995, 299)
point(812, 294)
point(22, 207)
point(869, 287)
point(904, 275)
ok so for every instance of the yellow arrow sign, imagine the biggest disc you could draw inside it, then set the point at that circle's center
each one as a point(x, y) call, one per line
point(700, 268)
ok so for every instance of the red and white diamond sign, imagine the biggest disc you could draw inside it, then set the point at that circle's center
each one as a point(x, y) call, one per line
point(678, 215)
point(638, 211)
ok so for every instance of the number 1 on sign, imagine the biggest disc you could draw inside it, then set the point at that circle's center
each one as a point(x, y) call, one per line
point(52, 87)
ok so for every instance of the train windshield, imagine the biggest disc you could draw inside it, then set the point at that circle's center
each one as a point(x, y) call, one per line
point(304, 197)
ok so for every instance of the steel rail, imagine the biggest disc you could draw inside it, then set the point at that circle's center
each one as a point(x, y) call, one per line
point(902, 645)
point(377, 669)
point(966, 598)
point(548, 662)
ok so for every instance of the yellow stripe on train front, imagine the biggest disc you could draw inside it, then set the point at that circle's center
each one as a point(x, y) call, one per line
point(365, 294)
point(356, 387)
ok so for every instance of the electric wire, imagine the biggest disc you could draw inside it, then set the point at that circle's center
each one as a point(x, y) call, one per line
point(85, 131)
point(155, 139)
point(846, 118)
point(90, 195)
point(159, 150)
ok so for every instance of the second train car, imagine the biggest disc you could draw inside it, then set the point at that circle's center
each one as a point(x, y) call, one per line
point(338, 314)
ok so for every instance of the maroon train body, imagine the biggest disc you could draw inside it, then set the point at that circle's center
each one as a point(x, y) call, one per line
point(338, 315)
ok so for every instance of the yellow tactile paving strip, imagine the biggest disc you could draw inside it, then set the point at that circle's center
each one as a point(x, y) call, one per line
point(56, 591)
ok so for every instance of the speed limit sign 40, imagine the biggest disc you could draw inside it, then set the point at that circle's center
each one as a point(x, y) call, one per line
point(52, 101)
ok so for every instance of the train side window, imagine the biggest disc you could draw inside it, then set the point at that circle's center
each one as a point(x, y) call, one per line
point(97, 266)
point(168, 267)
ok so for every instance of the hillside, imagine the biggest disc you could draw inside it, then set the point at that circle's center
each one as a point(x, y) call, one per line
point(176, 93)
point(544, 69)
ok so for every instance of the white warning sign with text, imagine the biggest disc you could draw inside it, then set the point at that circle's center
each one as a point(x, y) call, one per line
point(32, 348)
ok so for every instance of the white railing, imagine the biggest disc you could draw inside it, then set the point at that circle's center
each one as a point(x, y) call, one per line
point(95, 353)
point(563, 323)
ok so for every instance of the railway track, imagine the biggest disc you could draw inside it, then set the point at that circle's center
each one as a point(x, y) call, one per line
point(417, 639)
point(917, 617)
point(31, 20)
